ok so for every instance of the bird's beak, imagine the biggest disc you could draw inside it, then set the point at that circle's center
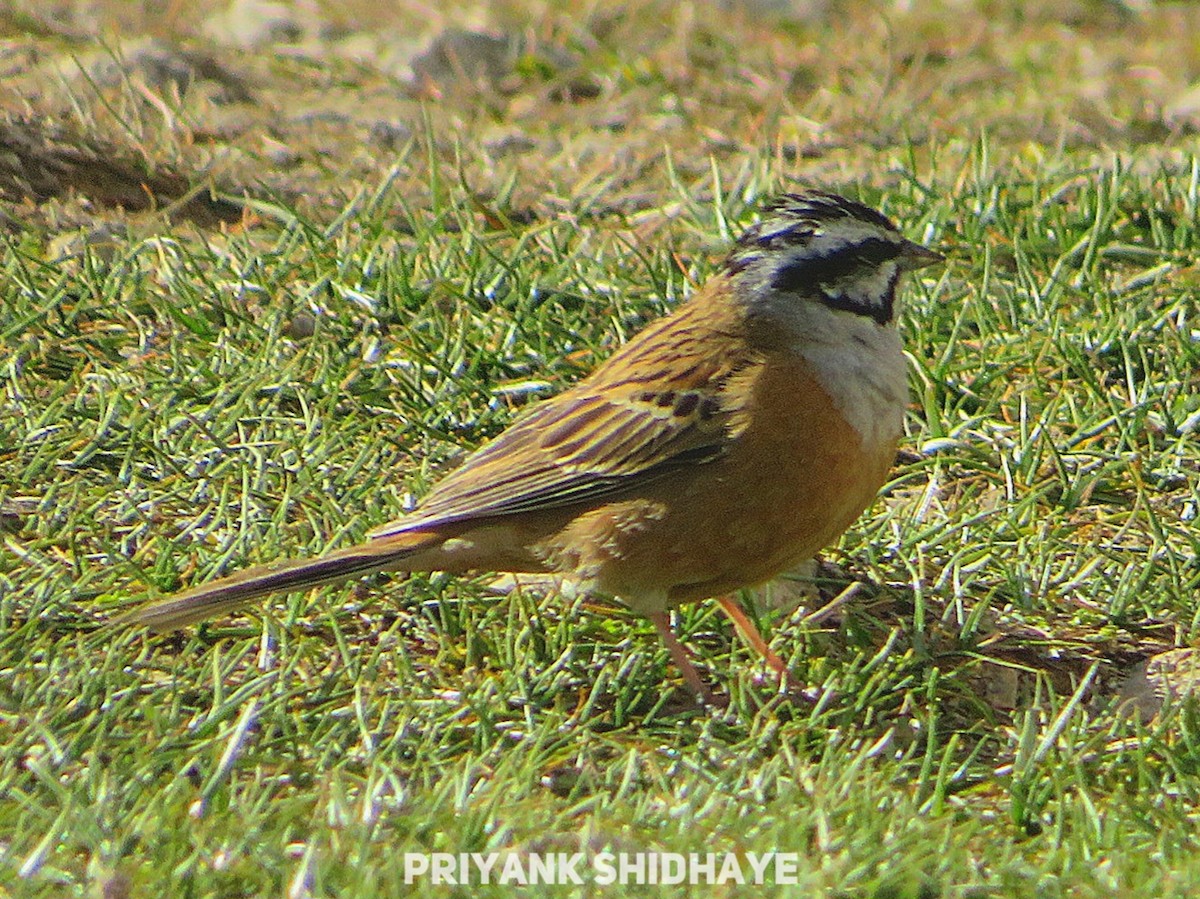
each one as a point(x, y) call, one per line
point(914, 256)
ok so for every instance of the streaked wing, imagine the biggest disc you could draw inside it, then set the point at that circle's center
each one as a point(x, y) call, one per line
point(573, 449)
point(622, 427)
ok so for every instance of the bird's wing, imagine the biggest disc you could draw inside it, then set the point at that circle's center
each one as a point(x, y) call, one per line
point(576, 449)
point(622, 427)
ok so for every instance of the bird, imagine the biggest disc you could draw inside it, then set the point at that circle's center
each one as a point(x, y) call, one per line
point(724, 444)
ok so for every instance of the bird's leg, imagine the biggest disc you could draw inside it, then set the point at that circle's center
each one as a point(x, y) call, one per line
point(682, 659)
point(747, 629)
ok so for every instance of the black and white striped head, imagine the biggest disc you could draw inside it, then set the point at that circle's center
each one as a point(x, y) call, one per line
point(824, 247)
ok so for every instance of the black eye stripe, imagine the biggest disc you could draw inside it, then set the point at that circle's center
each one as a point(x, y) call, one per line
point(827, 268)
point(882, 311)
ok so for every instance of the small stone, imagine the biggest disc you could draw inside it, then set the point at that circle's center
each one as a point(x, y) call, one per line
point(302, 326)
point(390, 135)
point(101, 241)
point(253, 23)
point(457, 55)
point(1170, 676)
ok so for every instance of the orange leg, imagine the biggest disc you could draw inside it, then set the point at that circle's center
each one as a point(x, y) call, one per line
point(682, 658)
point(747, 629)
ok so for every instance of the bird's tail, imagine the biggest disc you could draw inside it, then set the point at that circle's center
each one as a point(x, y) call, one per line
point(237, 590)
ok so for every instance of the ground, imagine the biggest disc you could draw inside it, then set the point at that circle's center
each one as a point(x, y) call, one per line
point(269, 269)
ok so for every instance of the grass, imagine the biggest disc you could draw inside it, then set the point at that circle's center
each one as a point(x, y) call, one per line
point(180, 402)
